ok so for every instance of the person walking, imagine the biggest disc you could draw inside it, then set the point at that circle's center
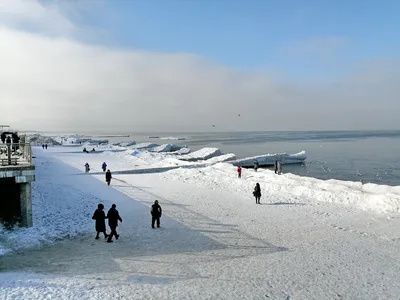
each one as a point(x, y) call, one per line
point(100, 218)
point(156, 213)
point(257, 193)
point(108, 177)
point(113, 218)
point(104, 166)
point(87, 168)
point(256, 165)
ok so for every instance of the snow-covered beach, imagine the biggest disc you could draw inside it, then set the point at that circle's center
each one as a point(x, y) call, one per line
point(309, 239)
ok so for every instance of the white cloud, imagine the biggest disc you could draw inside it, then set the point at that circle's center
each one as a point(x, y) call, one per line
point(58, 83)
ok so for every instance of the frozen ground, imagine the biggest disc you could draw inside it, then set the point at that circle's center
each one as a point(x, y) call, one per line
point(308, 240)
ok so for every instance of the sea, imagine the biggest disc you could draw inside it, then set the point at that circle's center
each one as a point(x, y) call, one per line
point(364, 156)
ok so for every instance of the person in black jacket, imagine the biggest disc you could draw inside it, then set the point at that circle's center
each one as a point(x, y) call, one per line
point(100, 218)
point(156, 213)
point(113, 218)
point(108, 177)
point(257, 193)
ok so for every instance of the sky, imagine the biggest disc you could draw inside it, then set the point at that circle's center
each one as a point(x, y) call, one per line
point(179, 65)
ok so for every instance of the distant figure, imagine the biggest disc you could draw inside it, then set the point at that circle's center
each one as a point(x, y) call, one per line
point(256, 165)
point(104, 166)
point(239, 171)
point(45, 146)
point(113, 218)
point(93, 150)
point(84, 150)
point(108, 177)
point(156, 213)
point(87, 168)
point(276, 167)
point(100, 218)
point(257, 193)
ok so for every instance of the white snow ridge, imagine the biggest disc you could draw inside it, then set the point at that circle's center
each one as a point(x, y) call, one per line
point(308, 239)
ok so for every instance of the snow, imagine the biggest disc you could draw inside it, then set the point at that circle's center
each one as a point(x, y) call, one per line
point(269, 159)
point(201, 154)
point(310, 239)
point(144, 145)
point(166, 148)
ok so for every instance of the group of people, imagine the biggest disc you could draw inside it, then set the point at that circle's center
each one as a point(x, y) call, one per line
point(85, 150)
point(257, 188)
point(113, 217)
point(103, 167)
point(44, 146)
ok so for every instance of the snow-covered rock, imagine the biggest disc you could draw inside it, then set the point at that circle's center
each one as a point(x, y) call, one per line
point(270, 159)
point(201, 154)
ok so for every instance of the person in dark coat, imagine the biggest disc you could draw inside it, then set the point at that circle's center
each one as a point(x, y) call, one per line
point(87, 168)
point(45, 146)
point(113, 218)
point(257, 193)
point(156, 213)
point(100, 218)
point(104, 166)
point(108, 177)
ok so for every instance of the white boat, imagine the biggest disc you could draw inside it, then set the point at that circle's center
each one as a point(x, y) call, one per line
point(270, 159)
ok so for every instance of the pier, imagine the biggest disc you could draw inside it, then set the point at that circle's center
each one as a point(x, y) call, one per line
point(16, 174)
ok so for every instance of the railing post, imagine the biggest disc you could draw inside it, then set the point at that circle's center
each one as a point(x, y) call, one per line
point(9, 154)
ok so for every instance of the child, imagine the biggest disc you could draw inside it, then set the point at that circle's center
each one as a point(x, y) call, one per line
point(100, 218)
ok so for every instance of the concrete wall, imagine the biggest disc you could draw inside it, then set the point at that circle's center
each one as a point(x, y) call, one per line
point(15, 193)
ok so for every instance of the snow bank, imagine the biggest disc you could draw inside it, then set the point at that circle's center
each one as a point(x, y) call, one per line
point(292, 188)
point(201, 154)
point(182, 151)
point(269, 159)
point(221, 158)
point(144, 145)
point(125, 144)
point(166, 148)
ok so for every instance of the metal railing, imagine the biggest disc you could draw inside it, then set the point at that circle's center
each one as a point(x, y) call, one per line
point(15, 154)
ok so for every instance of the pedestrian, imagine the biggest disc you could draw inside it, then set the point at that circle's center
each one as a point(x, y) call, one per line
point(45, 146)
point(104, 166)
point(100, 218)
point(113, 218)
point(108, 177)
point(87, 168)
point(156, 213)
point(276, 167)
point(256, 165)
point(257, 193)
point(239, 171)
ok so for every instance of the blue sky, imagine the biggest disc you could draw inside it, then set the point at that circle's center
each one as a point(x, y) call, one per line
point(259, 34)
point(284, 65)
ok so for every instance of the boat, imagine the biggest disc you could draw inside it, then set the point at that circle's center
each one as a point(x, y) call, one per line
point(270, 159)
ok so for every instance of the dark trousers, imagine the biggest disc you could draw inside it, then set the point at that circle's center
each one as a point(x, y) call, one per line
point(113, 233)
point(108, 182)
point(239, 175)
point(153, 221)
point(258, 200)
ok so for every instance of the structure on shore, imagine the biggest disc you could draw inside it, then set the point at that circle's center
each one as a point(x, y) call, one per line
point(16, 174)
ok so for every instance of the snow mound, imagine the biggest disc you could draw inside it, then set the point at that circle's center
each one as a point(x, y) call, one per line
point(144, 145)
point(221, 158)
point(269, 159)
point(202, 154)
point(126, 144)
point(38, 139)
point(182, 151)
point(166, 148)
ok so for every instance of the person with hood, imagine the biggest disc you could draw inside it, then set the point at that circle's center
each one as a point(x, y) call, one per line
point(108, 177)
point(87, 168)
point(104, 166)
point(100, 218)
point(113, 218)
point(239, 171)
point(257, 193)
point(156, 213)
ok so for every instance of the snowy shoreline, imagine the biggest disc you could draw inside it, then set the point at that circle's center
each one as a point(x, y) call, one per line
point(214, 241)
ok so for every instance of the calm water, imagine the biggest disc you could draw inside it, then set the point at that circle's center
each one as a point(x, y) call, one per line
point(367, 156)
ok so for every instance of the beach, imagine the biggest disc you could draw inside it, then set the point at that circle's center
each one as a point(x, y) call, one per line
point(309, 239)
